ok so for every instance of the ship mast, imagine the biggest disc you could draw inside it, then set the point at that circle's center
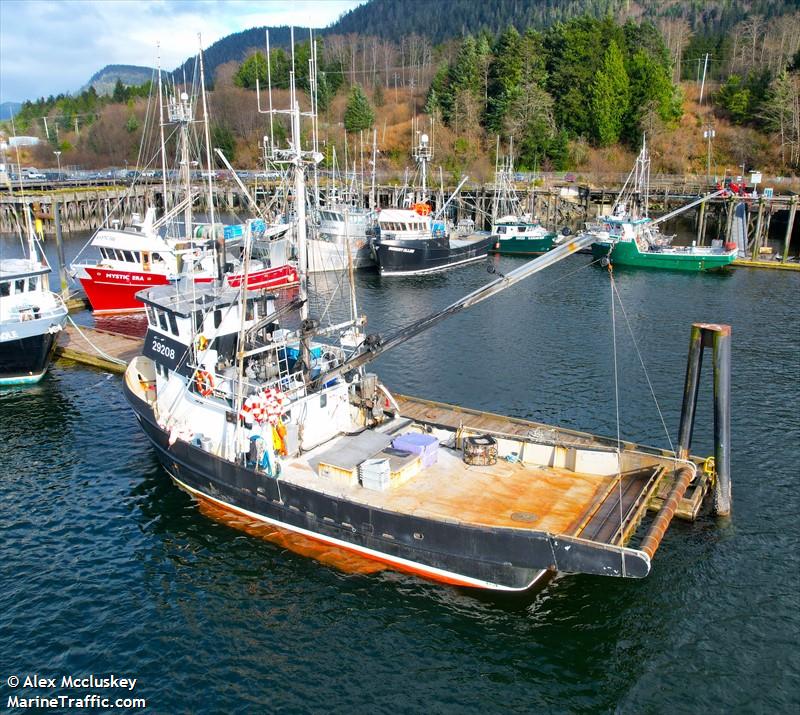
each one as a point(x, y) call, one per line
point(179, 111)
point(423, 153)
point(161, 129)
point(297, 158)
point(208, 144)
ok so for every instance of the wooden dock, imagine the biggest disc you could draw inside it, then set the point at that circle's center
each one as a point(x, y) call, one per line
point(774, 265)
point(98, 348)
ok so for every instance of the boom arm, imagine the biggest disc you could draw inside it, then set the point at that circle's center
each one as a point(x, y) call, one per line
point(373, 345)
point(688, 206)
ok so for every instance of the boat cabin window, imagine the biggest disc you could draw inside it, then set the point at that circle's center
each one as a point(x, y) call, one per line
point(217, 318)
point(173, 324)
point(19, 285)
point(104, 253)
point(198, 321)
point(156, 257)
point(501, 229)
point(129, 257)
point(33, 283)
point(5, 289)
point(151, 315)
point(162, 320)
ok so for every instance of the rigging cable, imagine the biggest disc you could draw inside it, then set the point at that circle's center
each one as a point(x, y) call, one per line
point(616, 402)
point(646, 374)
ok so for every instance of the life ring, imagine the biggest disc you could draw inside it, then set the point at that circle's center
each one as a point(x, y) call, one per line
point(204, 383)
point(202, 342)
point(422, 209)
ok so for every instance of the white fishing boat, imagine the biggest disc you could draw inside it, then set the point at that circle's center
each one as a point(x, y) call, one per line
point(262, 409)
point(31, 315)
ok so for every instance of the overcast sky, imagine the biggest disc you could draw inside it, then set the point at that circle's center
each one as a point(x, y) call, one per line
point(53, 46)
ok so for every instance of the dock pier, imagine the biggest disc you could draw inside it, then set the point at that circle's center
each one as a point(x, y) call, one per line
point(559, 204)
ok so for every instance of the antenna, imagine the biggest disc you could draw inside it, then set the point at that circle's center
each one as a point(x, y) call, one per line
point(269, 89)
point(208, 139)
point(292, 98)
point(161, 128)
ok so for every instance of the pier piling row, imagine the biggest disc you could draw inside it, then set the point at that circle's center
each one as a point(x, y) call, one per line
point(557, 205)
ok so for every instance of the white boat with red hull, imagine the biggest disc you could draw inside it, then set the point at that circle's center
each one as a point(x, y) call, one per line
point(151, 252)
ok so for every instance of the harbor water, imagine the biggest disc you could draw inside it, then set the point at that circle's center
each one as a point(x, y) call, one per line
point(107, 568)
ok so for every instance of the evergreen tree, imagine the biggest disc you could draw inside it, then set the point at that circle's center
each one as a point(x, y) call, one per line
point(574, 50)
point(609, 97)
point(650, 87)
point(254, 67)
point(465, 75)
point(359, 114)
point(324, 92)
point(439, 95)
point(505, 74)
point(119, 91)
point(483, 52)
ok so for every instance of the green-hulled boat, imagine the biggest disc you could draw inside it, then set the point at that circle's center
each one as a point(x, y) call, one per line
point(521, 237)
point(631, 240)
point(636, 243)
point(515, 232)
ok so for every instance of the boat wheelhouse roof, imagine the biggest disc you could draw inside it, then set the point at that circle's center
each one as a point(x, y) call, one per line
point(11, 268)
point(184, 301)
point(128, 240)
point(626, 219)
point(401, 215)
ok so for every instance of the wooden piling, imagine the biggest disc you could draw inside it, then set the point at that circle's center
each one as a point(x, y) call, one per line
point(730, 203)
point(701, 225)
point(722, 417)
point(694, 365)
point(62, 264)
point(718, 337)
point(787, 238)
point(757, 238)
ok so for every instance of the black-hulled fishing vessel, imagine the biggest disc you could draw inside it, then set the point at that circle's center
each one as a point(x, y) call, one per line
point(31, 315)
point(416, 240)
point(255, 406)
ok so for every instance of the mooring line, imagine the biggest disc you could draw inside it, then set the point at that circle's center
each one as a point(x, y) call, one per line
point(108, 357)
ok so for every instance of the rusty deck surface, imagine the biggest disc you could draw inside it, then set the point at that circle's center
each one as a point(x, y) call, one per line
point(99, 348)
point(453, 416)
point(548, 499)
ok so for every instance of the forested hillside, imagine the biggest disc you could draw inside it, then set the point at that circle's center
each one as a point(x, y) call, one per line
point(575, 94)
point(106, 79)
point(706, 24)
point(395, 19)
